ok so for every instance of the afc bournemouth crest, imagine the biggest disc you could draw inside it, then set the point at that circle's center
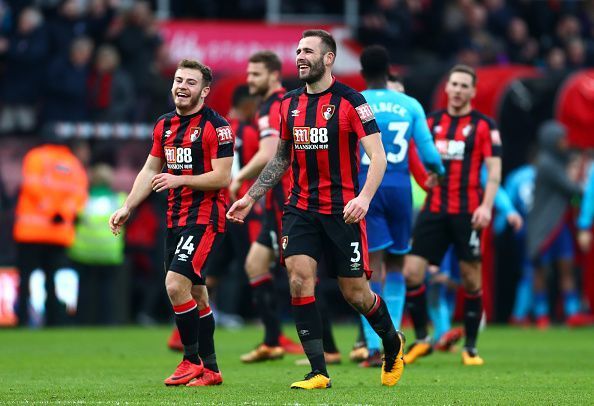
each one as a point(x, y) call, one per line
point(195, 133)
point(284, 242)
point(328, 111)
point(466, 131)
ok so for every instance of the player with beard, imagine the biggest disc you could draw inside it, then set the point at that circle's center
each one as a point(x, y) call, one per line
point(321, 126)
point(196, 145)
point(264, 80)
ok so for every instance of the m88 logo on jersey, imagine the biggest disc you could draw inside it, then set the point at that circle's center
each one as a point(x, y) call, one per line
point(310, 137)
point(178, 157)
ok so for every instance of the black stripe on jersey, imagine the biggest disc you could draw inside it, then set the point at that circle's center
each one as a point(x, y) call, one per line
point(178, 142)
point(311, 159)
point(295, 166)
point(334, 156)
point(197, 169)
point(239, 148)
point(451, 135)
point(468, 150)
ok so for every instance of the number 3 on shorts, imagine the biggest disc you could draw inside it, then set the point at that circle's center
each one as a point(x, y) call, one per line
point(356, 252)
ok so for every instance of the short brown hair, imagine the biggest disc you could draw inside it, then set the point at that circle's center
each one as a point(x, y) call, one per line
point(464, 69)
point(269, 59)
point(325, 36)
point(192, 64)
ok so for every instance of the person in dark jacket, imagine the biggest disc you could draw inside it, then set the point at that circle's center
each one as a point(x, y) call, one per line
point(550, 241)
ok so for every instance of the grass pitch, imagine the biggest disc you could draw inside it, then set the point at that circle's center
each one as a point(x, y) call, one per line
point(128, 365)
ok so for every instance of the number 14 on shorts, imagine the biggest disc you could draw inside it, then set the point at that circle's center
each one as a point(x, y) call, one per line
point(184, 244)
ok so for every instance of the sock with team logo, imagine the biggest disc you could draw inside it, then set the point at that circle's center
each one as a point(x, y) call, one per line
point(309, 330)
point(265, 300)
point(187, 321)
point(379, 318)
point(416, 302)
point(206, 347)
point(473, 311)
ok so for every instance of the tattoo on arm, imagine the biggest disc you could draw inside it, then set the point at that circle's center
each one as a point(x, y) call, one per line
point(273, 171)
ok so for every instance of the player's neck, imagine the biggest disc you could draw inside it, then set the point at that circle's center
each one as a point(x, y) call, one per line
point(461, 111)
point(377, 85)
point(321, 85)
point(189, 112)
point(273, 89)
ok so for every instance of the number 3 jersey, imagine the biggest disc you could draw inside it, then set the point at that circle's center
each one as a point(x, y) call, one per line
point(188, 144)
point(400, 118)
point(325, 129)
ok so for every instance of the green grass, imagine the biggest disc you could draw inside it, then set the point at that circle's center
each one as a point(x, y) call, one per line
point(128, 365)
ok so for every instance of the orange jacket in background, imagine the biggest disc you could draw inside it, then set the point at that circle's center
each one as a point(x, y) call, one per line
point(54, 190)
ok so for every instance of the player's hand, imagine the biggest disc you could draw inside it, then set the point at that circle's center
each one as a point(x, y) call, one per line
point(515, 220)
point(481, 217)
point(240, 209)
point(164, 181)
point(234, 188)
point(117, 219)
point(355, 210)
point(432, 180)
point(584, 239)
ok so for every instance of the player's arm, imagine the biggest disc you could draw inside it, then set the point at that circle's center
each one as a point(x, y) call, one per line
point(586, 216)
point(268, 178)
point(482, 215)
point(504, 206)
point(266, 148)
point(140, 190)
point(218, 178)
point(424, 142)
point(356, 209)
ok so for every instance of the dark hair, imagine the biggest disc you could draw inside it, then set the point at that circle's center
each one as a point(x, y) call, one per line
point(375, 63)
point(192, 64)
point(269, 59)
point(240, 93)
point(464, 69)
point(394, 77)
point(327, 39)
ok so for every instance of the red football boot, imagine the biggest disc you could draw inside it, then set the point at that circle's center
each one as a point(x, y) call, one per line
point(290, 346)
point(184, 373)
point(208, 378)
point(174, 343)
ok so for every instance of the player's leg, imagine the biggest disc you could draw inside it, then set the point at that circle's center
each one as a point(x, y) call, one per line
point(467, 246)
point(28, 256)
point(302, 249)
point(376, 262)
point(187, 253)
point(430, 242)
point(257, 265)
point(206, 348)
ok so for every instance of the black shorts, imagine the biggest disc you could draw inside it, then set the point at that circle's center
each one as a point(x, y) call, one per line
point(344, 246)
point(434, 232)
point(271, 229)
point(189, 249)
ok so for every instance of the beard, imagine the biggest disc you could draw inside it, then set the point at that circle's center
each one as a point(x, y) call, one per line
point(256, 90)
point(316, 72)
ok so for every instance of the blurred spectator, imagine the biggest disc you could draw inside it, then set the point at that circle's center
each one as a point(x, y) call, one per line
point(521, 48)
point(159, 90)
point(138, 41)
point(26, 53)
point(576, 53)
point(97, 255)
point(499, 15)
point(555, 60)
point(53, 192)
point(110, 89)
point(586, 218)
point(68, 24)
point(387, 23)
point(66, 92)
point(567, 28)
point(5, 18)
point(550, 241)
point(100, 16)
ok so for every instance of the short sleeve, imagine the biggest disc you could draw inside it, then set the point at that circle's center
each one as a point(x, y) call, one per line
point(490, 138)
point(157, 147)
point(269, 122)
point(360, 116)
point(284, 130)
point(220, 139)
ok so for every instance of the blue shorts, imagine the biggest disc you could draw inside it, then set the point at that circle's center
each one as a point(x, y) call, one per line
point(560, 248)
point(389, 220)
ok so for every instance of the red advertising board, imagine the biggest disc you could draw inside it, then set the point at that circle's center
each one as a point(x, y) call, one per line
point(226, 46)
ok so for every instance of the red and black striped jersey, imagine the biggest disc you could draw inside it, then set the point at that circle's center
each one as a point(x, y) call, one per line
point(246, 146)
point(463, 143)
point(268, 120)
point(325, 129)
point(188, 144)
